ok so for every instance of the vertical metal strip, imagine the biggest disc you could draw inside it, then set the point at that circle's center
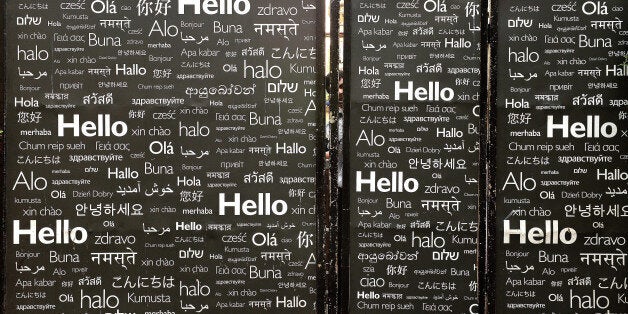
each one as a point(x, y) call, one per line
point(483, 193)
point(321, 180)
point(344, 214)
point(2, 143)
point(332, 262)
point(491, 123)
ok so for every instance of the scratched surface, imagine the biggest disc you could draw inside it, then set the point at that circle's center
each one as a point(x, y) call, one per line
point(413, 147)
point(161, 156)
point(560, 179)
